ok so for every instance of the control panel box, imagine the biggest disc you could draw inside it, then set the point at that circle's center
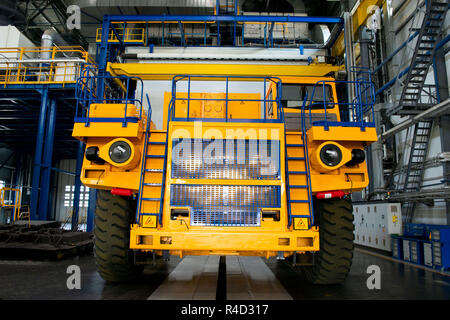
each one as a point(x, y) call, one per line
point(375, 223)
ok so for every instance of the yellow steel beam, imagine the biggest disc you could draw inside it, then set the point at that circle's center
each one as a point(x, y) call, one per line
point(117, 81)
point(167, 70)
point(359, 18)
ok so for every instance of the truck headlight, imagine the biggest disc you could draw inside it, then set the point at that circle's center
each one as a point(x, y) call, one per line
point(120, 151)
point(331, 155)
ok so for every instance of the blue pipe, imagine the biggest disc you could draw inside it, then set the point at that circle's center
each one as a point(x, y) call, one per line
point(47, 163)
point(415, 34)
point(441, 43)
point(221, 18)
point(76, 194)
point(38, 155)
point(392, 81)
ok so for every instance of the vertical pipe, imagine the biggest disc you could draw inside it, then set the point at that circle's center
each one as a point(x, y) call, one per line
point(76, 195)
point(38, 154)
point(349, 59)
point(102, 58)
point(44, 195)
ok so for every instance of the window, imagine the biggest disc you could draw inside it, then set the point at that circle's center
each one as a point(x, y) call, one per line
point(294, 94)
point(69, 192)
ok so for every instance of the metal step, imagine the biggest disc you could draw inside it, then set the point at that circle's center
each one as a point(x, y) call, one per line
point(154, 170)
point(297, 172)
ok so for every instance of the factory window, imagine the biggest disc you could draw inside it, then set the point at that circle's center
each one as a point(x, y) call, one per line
point(69, 192)
point(2, 184)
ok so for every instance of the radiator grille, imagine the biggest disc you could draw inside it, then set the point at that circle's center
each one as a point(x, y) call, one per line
point(226, 159)
point(223, 205)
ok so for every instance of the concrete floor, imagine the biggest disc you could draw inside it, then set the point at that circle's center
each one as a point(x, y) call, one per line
point(47, 280)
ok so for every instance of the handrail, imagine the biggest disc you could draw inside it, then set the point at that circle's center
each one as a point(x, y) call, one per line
point(16, 201)
point(305, 148)
point(86, 94)
point(25, 66)
point(189, 78)
point(144, 159)
point(362, 104)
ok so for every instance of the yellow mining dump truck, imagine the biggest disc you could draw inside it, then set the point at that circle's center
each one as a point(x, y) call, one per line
point(262, 167)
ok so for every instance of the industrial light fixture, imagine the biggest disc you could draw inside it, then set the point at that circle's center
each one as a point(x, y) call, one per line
point(120, 151)
point(331, 155)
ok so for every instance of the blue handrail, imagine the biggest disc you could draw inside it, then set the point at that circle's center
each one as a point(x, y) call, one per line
point(361, 105)
point(144, 159)
point(176, 79)
point(86, 94)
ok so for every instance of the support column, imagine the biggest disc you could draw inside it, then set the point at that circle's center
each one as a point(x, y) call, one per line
point(91, 209)
point(349, 58)
point(76, 194)
point(364, 54)
point(38, 155)
point(440, 76)
point(44, 194)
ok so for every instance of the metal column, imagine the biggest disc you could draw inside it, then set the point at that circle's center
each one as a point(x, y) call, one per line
point(44, 194)
point(38, 154)
point(76, 194)
point(349, 58)
point(365, 63)
point(440, 76)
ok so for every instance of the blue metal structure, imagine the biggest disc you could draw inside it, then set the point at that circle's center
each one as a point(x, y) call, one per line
point(361, 105)
point(53, 105)
point(86, 94)
point(419, 236)
point(106, 50)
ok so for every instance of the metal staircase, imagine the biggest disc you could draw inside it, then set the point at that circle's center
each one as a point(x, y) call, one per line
point(298, 190)
point(414, 89)
point(413, 176)
point(415, 98)
point(298, 177)
point(151, 189)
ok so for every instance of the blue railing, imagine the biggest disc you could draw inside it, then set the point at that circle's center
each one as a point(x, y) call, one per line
point(143, 164)
point(359, 108)
point(115, 90)
point(266, 101)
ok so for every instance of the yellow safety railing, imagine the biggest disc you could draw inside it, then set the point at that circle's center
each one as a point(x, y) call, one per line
point(125, 34)
point(10, 201)
point(25, 215)
point(42, 65)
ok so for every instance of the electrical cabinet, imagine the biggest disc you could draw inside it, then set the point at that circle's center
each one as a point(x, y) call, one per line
point(375, 223)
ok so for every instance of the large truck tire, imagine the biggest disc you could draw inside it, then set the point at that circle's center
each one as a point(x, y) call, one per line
point(333, 262)
point(113, 217)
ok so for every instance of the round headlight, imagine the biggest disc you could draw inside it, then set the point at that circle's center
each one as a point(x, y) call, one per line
point(120, 151)
point(331, 155)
